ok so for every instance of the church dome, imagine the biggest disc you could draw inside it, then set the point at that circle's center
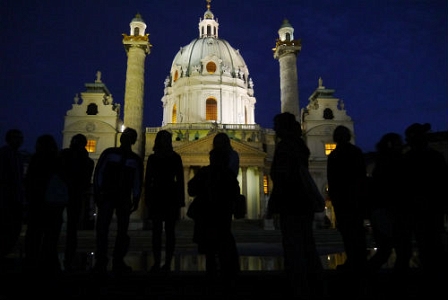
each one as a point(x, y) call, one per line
point(191, 57)
point(208, 81)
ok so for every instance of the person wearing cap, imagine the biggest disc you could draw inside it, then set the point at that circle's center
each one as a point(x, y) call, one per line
point(426, 176)
point(117, 184)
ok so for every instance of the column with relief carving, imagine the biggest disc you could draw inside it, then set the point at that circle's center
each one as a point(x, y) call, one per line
point(137, 46)
point(286, 51)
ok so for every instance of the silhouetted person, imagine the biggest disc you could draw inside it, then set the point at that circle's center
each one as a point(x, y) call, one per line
point(222, 141)
point(295, 209)
point(76, 168)
point(44, 218)
point(426, 178)
point(215, 187)
point(118, 179)
point(387, 209)
point(164, 196)
point(11, 192)
point(347, 183)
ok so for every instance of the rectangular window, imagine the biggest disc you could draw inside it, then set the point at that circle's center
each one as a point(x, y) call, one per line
point(91, 146)
point(329, 147)
point(265, 185)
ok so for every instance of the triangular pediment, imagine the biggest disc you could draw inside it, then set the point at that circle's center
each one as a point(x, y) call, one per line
point(196, 152)
point(203, 145)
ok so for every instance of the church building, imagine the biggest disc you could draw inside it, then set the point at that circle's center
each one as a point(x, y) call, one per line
point(209, 90)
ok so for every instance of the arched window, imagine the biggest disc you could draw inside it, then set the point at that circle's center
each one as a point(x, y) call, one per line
point(328, 114)
point(174, 114)
point(288, 36)
point(211, 110)
point(92, 109)
point(176, 76)
point(136, 31)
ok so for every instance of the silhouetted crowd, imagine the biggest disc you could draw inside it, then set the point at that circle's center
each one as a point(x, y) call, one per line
point(403, 198)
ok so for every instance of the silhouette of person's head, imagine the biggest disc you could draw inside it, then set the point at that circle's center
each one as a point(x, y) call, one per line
point(46, 144)
point(285, 124)
point(163, 142)
point(128, 137)
point(390, 142)
point(222, 141)
point(78, 142)
point(416, 135)
point(14, 138)
point(341, 135)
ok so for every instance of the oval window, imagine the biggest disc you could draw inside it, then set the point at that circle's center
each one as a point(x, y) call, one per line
point(211, 67)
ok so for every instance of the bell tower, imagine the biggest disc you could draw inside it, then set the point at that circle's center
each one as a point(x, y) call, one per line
point(137, 46)
point(286, 51)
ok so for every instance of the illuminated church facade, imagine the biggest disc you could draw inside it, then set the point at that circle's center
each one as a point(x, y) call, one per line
point(208, 90)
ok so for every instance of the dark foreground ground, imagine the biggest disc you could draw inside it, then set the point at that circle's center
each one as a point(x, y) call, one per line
point(252, 240)
point(196, 285)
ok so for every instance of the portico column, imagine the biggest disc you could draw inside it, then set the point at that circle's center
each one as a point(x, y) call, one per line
point(261, 202)
point(187, 197)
